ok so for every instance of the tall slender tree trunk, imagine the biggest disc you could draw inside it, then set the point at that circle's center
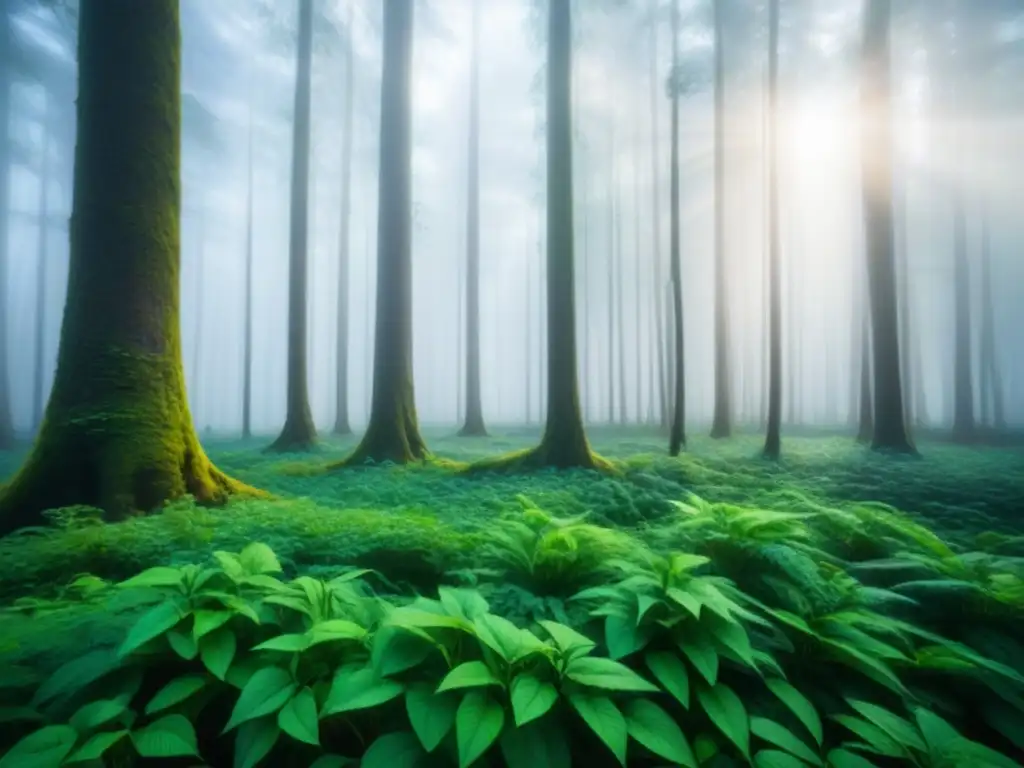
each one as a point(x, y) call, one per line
point(963, 386)
point(677, 435)
point(473, 425)
point(528, 367)
point(6, 45)
point(249, 243)
point(659, 279)
point(117, 433)
point(903, 286)
point(620, 285)
point(989, 355)
point(773, 439)
point(638, 312)
point(721, 425)
point(393, 432)
point(42, 262)
point(585, 266)
point(610, 271)
point(866, 419)
point(342, 424)
point(298, 433)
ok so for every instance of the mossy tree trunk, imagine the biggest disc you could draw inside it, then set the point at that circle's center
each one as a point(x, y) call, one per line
point(473, 421)
point(721, 425)
point(393, 432)
point(341, 416)
point(6, 45)
point(298, 433)
point(117, 432)
point(773, 438)
point(677, 434)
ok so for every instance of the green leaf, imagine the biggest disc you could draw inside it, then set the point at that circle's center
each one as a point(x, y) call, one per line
point(605, 720)
point(531, 698)
point(504, 638)
point(471, 674)
point(704, 747)
point(254, 741)
point(170, 736)
point(267, 691)
point(875, 737)
point(898, 728)
point(567, 639)
point(183, 644)
point(97, 713)
point(702, 655)
point(359, 688)
point(151, 625)
point(652, 726)
point(44, 748)
point(76, 674)
point(622, 635)
point(798, 704)
point(936, 731)
point(843, 758)
point(644, 603)
point(431, 715)
point(217, 651)
point(332, 761)
point(464, 603)
point(259, 558)
point(682, 562)
point(538, 744)
point(161, 576)
point(725, 709)
point(733, 636)
point(606, 674)
point(684, 599)
point(416, 618)
point(206, 621)
point(298, 718)
point(397, 650)
point(868, 666)
point(774, 758)
point(394, 750)
point(782, 737)
point(333, 630)
point(176, 692)
point(95, 747)
point(285, 644)
point(478, 724)
point(669, 670)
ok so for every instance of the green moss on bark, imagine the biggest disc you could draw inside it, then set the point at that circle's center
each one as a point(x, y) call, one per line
point(117, 433)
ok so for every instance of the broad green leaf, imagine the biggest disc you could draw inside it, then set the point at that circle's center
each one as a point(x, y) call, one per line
point(622, 635)
point(206, 621)
point(95, 747)
point(334, 629)
point(416, 618)
point(267, 691)
point(97, 713)
point(681, 562)
point(894, 725)
point(74, 675)
point(291, 643)
point(669, 670)
point(704, 747)
point(875, 737)
point(531, 698)
point(170, 736)
point(394, 750)
point(605, 720)
point(176, 692)
point(359, 688)
point(780, 736)
point(644, 603)
point(265, 582)
point(478, 724)
point(652, 726)
point(298, 718)
point(151, 625)
point(160, 576)
point(217, 651)
point(774, 758)
point(733, 636)
point(332, 761)
point(464, 603)
point(798, 704)
point(259, 558)
point(396, 650)
point(606, 674)
point(230, 564)
point(431, 715)
point(868, 666)
point(538, 744)
point(702, 655)
point(183, 643)
point(44, 748)
point(471, 674)
point(504, 638)
point(254, 741)
point(725, 709)
point(936, 731)
point(684, 599)
point(844, 758)
point(566, 638)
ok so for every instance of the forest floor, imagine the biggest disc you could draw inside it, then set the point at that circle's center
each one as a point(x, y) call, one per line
point(419, 525)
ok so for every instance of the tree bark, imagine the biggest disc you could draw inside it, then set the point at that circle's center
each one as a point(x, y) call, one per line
point(620, 326)
point(42, 259)
point(342, 426)
point(659, 280)
point(773, 438)
point(866, 418)
point(117, 433)
point(393, 432)
point(963, 385)
point(721, 425)
point(298, 433)
point(610, 272)
point(677, 435)
point(989, 355)
point(473, 423)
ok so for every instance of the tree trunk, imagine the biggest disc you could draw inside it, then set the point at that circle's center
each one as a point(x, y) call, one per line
point(528, 367)
point(298, 433)
point(611, 273)
point(989, 354)
point(117, 433)
point(393, 432)
point(620, 326)
point(342, 425)
point(721, 425)
point(866, 419)
point(247, 344)
point(659, 280)
point(42, 258)
point(6, 44)
point(473, 425)
point(905, 314)
point(637, 278)
point(587, 384)
point(773, 438)
point(963, 386)
point(677, 436)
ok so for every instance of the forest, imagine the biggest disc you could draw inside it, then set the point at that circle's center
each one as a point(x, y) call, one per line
point(511, 383)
